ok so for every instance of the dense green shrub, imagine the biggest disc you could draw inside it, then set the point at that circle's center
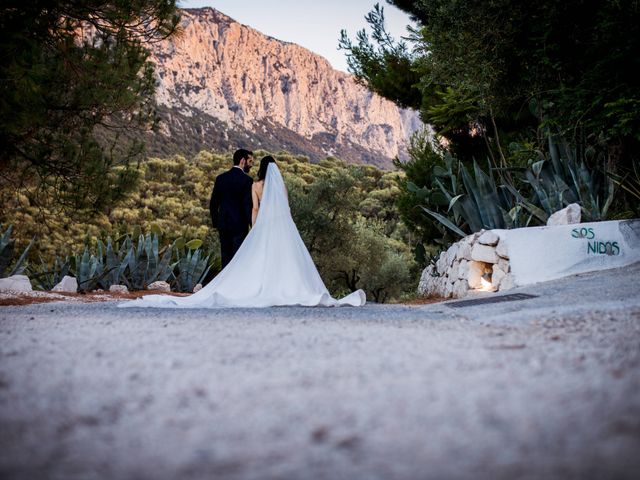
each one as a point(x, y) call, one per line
point(467, 199)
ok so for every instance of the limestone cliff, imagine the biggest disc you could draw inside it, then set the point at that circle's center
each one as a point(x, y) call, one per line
point(224, 85)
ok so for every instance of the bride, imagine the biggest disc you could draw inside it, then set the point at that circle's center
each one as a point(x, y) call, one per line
point(272, 267)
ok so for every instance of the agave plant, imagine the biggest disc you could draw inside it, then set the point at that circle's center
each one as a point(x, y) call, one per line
point(562, 177)
point(46, 277)
point(146, 263)
point(88, 270)
point(7, 246)
point(473, 202)
point(191, 268)
point(115, 260)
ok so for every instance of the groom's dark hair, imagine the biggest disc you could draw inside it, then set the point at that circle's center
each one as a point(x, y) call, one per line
point(240, 154)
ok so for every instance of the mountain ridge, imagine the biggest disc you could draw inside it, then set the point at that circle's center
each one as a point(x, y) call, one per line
point(222, 85)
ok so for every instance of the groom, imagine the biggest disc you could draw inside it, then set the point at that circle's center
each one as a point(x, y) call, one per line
point(231, 204)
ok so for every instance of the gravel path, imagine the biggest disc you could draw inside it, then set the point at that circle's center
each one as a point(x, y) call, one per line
point(547, 387)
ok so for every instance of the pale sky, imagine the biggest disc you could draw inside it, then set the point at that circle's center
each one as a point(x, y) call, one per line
point(313, 24)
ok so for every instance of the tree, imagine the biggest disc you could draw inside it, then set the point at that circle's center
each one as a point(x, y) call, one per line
point(494, 72)
point(386, 68)
point(418, 171)
point(325, 211)
point(374, 262)
point(344, 217)
point(75, 77)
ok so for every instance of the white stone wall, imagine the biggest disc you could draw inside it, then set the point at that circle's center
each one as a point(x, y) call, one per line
point(524, 256)
point(540, 254)
point(459, 269)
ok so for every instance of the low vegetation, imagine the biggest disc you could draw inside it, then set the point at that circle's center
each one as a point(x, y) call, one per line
point(346, 215)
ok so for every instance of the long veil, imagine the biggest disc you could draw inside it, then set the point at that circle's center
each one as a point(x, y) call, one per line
point(272, 267)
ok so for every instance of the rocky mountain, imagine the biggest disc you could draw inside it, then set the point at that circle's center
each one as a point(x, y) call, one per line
point(223, 85)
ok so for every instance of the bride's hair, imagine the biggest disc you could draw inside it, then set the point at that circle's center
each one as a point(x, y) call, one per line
point(264, 163)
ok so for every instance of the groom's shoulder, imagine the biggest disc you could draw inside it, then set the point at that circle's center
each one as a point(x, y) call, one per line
point(234, 175)
point(225, 174)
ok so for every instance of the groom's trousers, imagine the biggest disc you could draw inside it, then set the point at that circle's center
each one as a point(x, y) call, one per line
point(229, 244)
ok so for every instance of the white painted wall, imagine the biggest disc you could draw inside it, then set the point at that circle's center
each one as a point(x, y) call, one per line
point(538, 254)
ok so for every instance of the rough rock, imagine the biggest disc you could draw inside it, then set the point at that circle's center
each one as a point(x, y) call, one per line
point(425, 288)
point(448, 290)
point(476, 270)
point(118, 289)
point(484, 253)
point(441, 264)
point(422, 285)
point(435, 286)
point(496, 277)
point(503, 265)
point(507, 283)
point(502, 249)
point(460, 289)
point(464, 252)
point(197, 288)
point(159, 286)
point(15, 283)
point(270, 93)
point(452, 252)
point(454, 271)
point(568, 215)
point(463, 268)
point(67, 284)
point(488, 238)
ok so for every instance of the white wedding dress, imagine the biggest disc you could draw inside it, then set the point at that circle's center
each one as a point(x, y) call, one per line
point(272, 267)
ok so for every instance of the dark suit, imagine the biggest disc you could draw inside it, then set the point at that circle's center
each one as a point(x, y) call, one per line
point(230, 208)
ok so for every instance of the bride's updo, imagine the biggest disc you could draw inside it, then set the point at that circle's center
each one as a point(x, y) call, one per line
point(264, 163)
